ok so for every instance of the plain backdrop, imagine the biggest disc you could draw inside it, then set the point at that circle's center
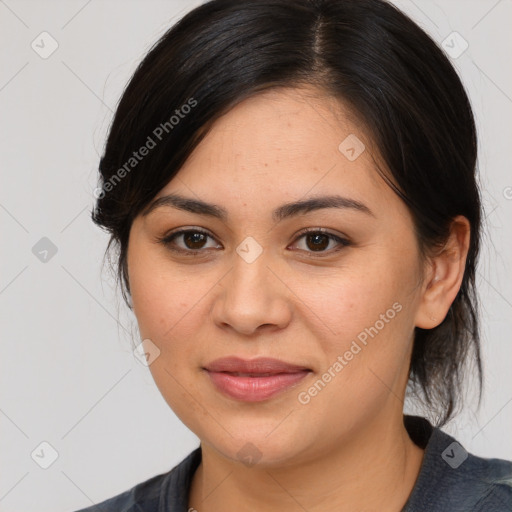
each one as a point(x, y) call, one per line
point(68, 375)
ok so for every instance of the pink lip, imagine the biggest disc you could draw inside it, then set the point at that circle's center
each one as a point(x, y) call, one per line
point(254, 380)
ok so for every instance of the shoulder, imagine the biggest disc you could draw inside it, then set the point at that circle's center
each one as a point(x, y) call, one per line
point(488, 483)
point(453, 479)
point(143, 495)
point(166, 491)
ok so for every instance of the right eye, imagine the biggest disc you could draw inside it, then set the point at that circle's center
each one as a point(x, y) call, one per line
point(193, 240)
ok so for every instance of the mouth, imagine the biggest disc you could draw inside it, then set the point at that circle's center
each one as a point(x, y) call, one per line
point(254, 380)
point(259, 366)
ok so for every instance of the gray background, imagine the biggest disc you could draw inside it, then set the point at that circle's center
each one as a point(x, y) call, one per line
point(68, 376)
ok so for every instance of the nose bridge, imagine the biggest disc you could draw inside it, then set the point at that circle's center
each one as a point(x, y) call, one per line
point(251, 292)
point(250, 267)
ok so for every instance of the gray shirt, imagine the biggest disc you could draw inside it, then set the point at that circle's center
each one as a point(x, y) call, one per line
point(450, 480)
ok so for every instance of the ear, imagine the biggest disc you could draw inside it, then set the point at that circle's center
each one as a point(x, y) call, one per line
point(444, 276)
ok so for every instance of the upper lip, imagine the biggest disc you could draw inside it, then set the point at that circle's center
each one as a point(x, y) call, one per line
point(258, 365)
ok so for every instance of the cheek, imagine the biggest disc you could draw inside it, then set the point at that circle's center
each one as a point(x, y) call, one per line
point(168, 311)
point(162, 295)
point(370, 318)
point(351, 302)
point(365, 362)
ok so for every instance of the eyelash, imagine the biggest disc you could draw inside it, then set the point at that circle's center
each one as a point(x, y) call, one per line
point(168, 239)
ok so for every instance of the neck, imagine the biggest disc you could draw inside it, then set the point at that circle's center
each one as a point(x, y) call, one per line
point(375, 469)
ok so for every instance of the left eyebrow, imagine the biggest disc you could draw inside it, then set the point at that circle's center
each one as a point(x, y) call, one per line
point(285, 211)
point(319, 203)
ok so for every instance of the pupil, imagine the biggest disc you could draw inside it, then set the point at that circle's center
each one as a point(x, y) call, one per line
point(194, 238)
point(317, 245)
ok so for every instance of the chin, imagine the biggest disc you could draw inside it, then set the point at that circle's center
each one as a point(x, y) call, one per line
point(260, 447)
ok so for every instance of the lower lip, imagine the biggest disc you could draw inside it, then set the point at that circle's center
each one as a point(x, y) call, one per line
point(254, 389)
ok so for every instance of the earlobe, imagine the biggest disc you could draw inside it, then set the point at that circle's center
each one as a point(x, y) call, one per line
point(445, 276)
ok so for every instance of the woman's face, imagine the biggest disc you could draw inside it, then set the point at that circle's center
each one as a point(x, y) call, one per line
point(257, 286)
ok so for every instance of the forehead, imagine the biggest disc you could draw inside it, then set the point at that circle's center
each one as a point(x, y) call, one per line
point(287, 123)
point(282, 144)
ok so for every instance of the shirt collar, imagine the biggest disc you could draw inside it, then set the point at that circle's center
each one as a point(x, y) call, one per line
point(444, 466)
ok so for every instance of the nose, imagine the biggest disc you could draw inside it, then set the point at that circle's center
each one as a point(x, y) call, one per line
point(253, 298)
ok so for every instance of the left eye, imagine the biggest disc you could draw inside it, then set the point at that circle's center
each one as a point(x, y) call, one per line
point(317, 241)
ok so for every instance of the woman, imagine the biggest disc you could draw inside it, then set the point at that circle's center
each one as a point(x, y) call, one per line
point(291, 189)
